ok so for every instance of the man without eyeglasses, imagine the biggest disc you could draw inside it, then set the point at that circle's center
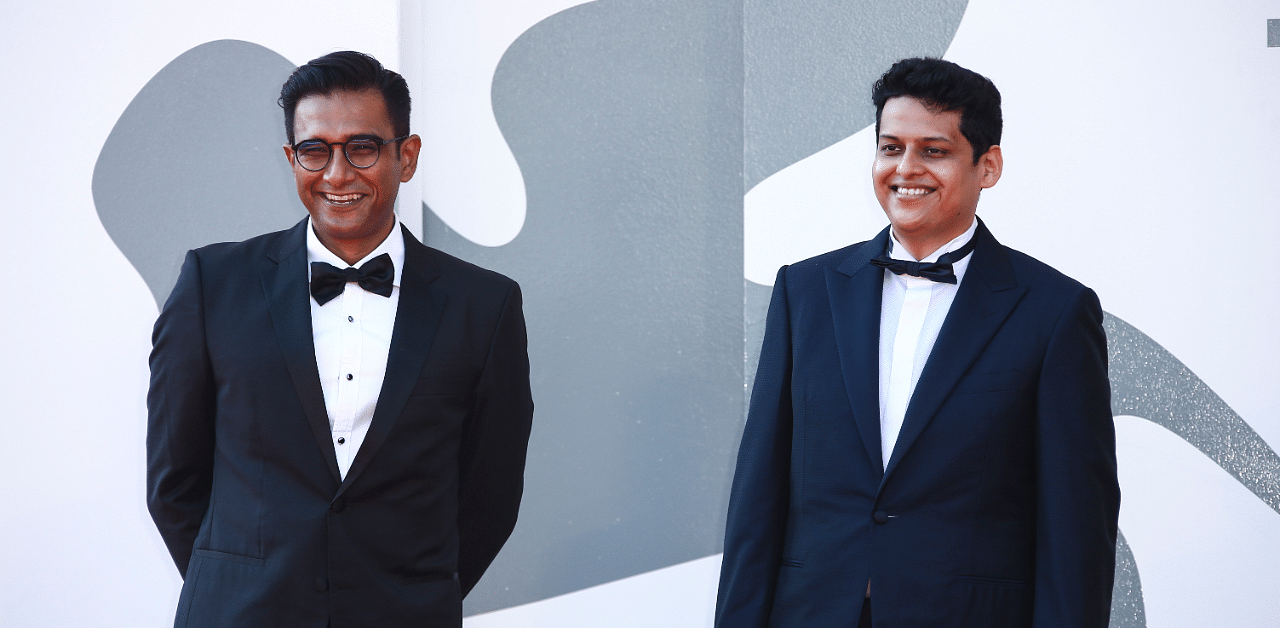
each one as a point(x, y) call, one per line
point(930, 440)
point(338, 415)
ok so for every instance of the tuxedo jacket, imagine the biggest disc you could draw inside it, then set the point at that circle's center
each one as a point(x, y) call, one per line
point(998, 507)
point(242, 479)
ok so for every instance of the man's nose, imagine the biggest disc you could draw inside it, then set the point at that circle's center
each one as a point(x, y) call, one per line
point(339, 169)
point(910, 163)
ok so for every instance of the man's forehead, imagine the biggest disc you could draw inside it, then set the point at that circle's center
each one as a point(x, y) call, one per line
point(907, 116)
point(346, 112)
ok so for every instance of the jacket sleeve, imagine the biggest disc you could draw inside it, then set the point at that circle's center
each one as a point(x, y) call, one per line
point(494, 444)
point(756, 523)
point(1078, 492)
point(180, 417)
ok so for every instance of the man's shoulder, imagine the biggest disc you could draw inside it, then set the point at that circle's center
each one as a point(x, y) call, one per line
point(456, 269)
point(472, 288)
point(1034, 273)
point(846, 260)
point(252, 248)
point(831, 259)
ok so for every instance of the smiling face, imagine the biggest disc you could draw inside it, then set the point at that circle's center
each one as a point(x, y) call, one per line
point(925, 176)
point(352, 209)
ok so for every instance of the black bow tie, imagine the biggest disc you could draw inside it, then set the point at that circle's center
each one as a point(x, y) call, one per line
point(939, 271)
point(376, 276)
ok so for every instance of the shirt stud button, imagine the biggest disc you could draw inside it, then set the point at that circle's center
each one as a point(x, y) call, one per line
point(351, 319)
point(341, 440)
point(350, 377)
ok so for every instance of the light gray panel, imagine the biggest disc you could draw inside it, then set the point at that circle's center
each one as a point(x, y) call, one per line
point(755, 311)
point(195, 158)
point(809, 66)
point(625, 119)
point(1149, 382)
point(1128, 610)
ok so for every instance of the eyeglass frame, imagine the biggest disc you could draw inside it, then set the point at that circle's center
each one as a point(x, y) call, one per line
point(329, 145)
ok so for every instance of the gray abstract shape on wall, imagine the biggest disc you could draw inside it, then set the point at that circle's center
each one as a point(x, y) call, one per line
point(1127, 607)
point(809, 66)
point(625, 120)
point(755, 311)
point(195, 158)
point(1149, 382)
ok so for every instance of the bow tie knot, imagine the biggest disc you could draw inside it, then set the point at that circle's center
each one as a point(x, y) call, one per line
point(940, 271)
point(376, 275)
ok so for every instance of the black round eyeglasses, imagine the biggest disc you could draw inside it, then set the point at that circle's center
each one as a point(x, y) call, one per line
point(362, 152)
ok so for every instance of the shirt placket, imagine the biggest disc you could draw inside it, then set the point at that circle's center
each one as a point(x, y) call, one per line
point(915, 307)
point(349, 374)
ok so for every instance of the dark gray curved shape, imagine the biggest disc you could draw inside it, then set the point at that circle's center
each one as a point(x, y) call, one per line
point(1148, 382)
point(809, 66)
point(1127, 607)
point(195, 158)
point(625, 118)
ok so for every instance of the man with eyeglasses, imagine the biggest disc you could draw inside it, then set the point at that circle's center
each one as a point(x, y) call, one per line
point(338, 415)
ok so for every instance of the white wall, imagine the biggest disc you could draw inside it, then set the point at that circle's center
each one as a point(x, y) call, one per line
point(1139, 155)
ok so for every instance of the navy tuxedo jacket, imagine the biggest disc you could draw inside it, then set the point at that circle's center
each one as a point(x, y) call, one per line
point(242, 479)
point(999, 504)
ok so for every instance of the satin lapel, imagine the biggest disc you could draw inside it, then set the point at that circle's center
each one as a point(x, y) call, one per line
point(984, 301)
point(284, 278)
point(417, 319)
point(855, 289)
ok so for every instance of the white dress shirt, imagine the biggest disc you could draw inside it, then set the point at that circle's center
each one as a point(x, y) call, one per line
point(352, 335)
point(911, 314)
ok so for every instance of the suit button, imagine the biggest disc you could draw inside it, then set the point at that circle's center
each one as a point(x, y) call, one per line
point(338, 505)
point(880, 517)
point(322, 585)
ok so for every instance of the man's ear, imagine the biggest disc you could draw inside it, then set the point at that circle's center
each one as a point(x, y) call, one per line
point(288, 154)
point(992, 164)
point(409, 150)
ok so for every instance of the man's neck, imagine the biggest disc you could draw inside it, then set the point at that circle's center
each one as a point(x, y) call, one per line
point(352, 251)
point(922, 248)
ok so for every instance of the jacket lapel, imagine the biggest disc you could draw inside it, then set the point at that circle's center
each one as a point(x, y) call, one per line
point(855, 289)
point(284, 279)
point(984, 301)
point(417, 319)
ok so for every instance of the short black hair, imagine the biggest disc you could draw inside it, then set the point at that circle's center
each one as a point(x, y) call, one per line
point(944, 86)
point(348, 70)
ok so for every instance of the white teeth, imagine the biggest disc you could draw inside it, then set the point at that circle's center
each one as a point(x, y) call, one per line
point(341, 198)
point(912, 191)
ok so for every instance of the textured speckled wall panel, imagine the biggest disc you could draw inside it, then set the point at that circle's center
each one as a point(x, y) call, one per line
point(625, 119)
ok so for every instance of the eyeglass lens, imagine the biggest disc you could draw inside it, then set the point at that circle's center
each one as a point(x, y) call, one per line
point(361, 153)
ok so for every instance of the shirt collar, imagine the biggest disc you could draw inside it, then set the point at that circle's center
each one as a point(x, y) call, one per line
point(393, 245)
point(897, 251)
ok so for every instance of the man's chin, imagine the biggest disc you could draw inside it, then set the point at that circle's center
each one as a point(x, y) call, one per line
point(350, 225)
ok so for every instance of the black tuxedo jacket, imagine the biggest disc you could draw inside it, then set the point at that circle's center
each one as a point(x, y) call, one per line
point(242, 479)
point(999, 504)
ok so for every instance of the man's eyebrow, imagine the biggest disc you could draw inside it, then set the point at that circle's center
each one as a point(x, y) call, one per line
point(932, 138)
point(355, 136)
